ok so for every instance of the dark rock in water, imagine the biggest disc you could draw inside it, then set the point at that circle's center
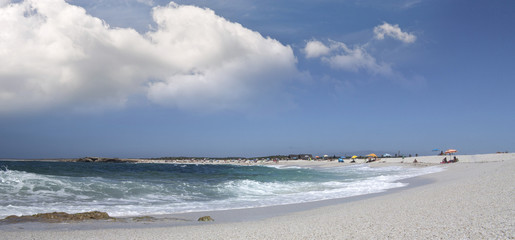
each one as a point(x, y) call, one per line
point(111, 160)
point(99, 159)
point(86, 159)
point(57, 217)
point(205, 219)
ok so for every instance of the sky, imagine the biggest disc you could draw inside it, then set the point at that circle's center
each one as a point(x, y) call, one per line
point(217, 78)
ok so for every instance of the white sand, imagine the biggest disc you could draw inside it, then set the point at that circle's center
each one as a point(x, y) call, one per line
point(473, 199)
point(479, 158)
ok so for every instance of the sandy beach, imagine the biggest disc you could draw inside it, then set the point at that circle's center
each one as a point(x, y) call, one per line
point(471, 199)
point(422, 160)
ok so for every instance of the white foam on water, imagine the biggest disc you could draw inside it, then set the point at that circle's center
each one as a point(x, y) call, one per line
point(28, 193)
point(285, 166)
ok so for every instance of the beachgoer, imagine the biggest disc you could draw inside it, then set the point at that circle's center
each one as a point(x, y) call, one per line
point(444, 160)
point(415, 161)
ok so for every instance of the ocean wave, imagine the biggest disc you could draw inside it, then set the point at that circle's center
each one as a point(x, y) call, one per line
point(138, 189)
point(285, 166)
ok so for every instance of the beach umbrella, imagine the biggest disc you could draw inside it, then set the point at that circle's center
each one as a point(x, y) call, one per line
point(451, 151)
point(371, 157)
point(387, 155)
point(354, 157)
point(435, 150)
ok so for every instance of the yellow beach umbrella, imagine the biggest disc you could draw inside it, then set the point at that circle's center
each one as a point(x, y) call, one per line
point(354, 156)
point(371, 155)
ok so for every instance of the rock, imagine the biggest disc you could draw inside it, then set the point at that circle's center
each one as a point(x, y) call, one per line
point(87, 159)
point(205, 219)
point(115, 160)
point(99, 159)
point(58, 217)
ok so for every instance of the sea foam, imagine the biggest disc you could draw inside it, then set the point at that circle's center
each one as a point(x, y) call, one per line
point(137, 189)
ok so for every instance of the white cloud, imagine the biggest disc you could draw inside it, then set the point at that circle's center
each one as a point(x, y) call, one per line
point(340, 56)
point(4, 2)
point(222, 64)
point(52, 53)
point(316, 49)
point(410, 4)
point(55, 54)
point(393, 31)
point(357, 59)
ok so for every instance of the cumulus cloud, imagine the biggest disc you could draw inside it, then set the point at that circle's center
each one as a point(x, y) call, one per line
point(55, 54)
point(340, 56)
point(222, 64)
point(393, 31)
point(316, 49)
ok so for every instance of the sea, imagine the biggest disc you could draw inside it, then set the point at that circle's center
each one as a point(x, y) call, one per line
point(132, 189)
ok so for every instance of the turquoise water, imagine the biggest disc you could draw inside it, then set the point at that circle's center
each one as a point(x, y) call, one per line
point(126, 189)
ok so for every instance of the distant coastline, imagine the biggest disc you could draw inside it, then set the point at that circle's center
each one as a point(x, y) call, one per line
point(330, 161)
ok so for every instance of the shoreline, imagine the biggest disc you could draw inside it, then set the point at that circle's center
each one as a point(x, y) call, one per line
point(470, 199)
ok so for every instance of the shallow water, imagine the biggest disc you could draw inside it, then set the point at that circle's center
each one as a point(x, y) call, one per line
point(125, 189)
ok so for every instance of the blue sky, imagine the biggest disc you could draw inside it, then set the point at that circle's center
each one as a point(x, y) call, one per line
point(142, 78)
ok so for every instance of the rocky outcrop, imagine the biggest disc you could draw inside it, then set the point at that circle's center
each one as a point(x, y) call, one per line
point(100, 159)
point(57, 217)
point(205, 219)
